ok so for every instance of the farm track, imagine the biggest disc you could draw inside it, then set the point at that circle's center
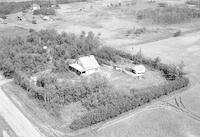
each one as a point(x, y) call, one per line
point(179, 106)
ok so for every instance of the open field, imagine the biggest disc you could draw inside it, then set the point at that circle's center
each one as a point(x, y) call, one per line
point(114, 24)
point(12, 31)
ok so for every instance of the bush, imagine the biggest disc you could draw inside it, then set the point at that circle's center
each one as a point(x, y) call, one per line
point(31, 30)
point(107, 53)
point(162, 4)
point(3, 16)
point(28, 54)
point(168, 15)
point(107, 105)
point(192, 2)
point(34, 22)
point(177, 33)
point(164, 89)
point(13, 7)
point(44, 11)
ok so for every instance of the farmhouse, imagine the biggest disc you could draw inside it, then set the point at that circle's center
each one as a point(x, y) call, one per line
point(85, 65)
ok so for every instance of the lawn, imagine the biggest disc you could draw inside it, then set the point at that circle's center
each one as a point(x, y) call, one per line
point(124, 82)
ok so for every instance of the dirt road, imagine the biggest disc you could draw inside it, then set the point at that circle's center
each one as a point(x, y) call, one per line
point(14, 117)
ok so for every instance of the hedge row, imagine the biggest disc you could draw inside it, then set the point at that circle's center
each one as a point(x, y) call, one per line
point(168, 14)
point(108, 105)
point(170, 72)
point(45, 11)
point(154, 92)
point(48, 90)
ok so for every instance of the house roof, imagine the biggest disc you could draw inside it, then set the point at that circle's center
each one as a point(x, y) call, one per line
point(85, 63)
point(139, 68)
point(89, 62)
point(77, 67)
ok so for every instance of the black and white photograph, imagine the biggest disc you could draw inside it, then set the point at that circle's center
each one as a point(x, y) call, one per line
point(99, 68)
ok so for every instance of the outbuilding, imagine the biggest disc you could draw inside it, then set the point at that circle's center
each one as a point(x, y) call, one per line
point(46, 18)
point(139, 69)
point(35, 7)
point(85, 65)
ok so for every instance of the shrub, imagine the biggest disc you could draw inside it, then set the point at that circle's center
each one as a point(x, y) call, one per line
point(192, 2)
point(177, 33)
point(13, 7)
point(34, 22)
point(44, 11)
point(108, 104)
point(3, 16)
point(168, 15)
point(31, 30)
point(107, 53)
point(162, 4)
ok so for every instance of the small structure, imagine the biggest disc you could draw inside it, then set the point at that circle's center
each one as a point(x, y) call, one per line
point(139, 69)
point(85, 65)
point(35, 7)
point(34, 78)
point(46, 18)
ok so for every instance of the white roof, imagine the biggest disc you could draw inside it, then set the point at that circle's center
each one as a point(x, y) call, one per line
point(85, 63)
point(77, 67)
point(46, 18)
point(89, 62)
point(139, 68)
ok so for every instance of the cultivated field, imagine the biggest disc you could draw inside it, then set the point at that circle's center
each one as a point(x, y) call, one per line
point(116, 25)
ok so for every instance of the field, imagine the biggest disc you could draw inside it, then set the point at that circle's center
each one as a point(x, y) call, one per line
point(12, 31)
point(116, 25)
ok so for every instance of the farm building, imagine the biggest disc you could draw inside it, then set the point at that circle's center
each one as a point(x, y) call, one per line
point(35, 7)
point(46, 18)
point(139, 69)
point(85, 65)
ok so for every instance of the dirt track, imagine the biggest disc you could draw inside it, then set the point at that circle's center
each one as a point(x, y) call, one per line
point(15, 119)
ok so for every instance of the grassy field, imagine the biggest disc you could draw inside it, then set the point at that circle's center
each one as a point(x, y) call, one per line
point(160, 123)
point(125, 82)
point(12, 32)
